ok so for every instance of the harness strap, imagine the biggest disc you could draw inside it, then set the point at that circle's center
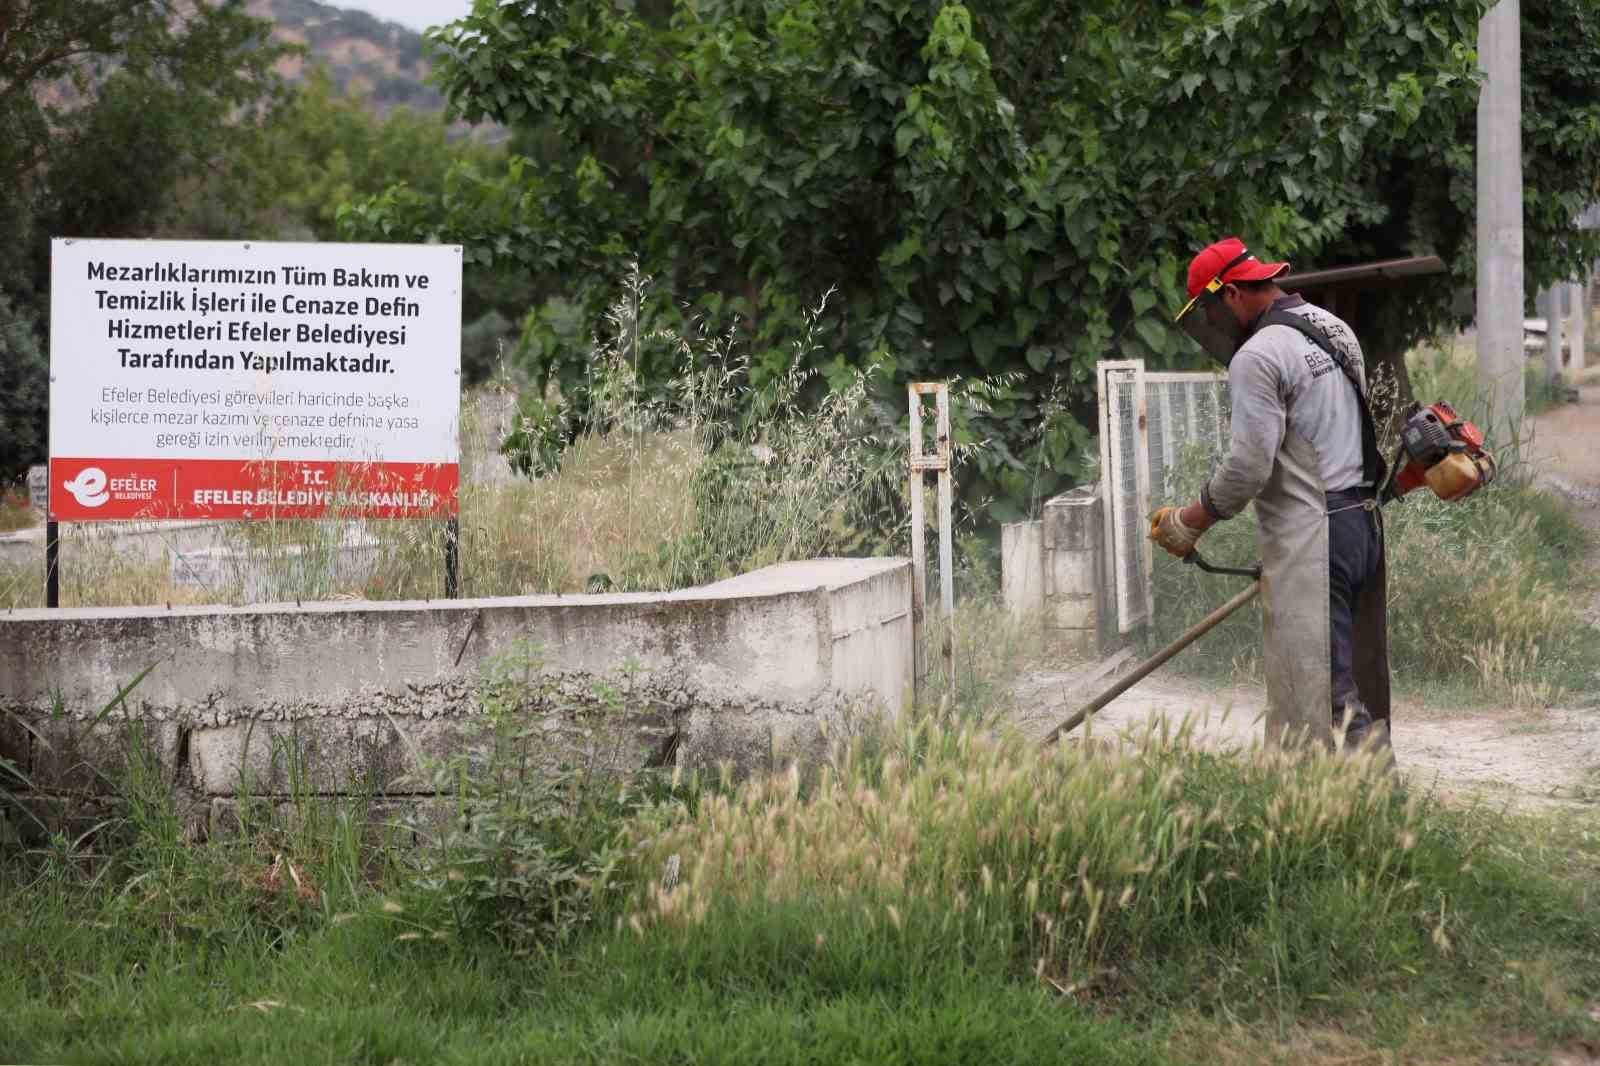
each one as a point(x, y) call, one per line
point(1373, 466)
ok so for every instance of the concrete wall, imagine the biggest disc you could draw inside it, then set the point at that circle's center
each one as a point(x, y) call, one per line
point(341, 696)
point(1057, 568)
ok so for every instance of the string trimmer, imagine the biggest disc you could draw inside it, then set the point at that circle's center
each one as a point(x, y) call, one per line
point(1194, 633)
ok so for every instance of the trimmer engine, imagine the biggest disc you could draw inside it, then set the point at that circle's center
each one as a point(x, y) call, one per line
point(1443, 451)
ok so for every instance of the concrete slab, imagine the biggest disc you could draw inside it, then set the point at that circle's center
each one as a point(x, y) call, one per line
point(147, 541)
point(799, 575)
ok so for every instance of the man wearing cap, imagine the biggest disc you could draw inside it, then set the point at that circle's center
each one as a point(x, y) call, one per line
point(1304, 448)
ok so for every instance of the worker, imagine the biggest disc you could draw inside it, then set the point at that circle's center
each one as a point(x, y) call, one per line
point(1304, 448)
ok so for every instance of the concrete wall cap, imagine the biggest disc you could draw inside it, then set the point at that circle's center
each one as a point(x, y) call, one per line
point(782, 579)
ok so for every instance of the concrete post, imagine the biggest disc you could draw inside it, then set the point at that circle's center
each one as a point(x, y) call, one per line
point(1022, 568)
point(1499, 163)
point(1549, 303)
point(1579, 292)
point(1077, 609)
point(39, 488)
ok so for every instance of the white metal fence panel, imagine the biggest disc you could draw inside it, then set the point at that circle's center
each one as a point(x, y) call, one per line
point(1148, 424)
point(1185, 410)
point(1125, 471)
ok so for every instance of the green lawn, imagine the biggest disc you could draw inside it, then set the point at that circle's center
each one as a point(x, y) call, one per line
point(902, 908)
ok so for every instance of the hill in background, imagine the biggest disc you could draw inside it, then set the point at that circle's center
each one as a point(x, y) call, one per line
point(367, 56)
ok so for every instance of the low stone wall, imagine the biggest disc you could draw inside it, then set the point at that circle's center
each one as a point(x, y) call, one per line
point(357, 696)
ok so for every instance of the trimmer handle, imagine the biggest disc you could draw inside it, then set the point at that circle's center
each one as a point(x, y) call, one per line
point(1194, 558)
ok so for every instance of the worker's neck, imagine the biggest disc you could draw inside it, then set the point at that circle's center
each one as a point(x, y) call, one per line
point(1258, 301)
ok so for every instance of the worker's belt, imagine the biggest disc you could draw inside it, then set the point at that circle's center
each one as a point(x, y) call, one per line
point(1349, 499)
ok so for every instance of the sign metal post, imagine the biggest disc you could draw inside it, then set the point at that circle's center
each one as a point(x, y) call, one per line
point(921, 464)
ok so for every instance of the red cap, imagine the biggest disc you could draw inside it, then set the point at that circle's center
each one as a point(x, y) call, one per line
point(1228, 260)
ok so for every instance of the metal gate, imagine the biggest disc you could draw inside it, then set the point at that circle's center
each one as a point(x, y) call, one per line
point(1147, 421)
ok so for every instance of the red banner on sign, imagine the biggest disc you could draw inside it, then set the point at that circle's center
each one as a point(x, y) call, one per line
point(98, 490)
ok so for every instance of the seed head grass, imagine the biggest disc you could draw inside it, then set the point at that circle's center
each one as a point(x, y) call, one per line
point(966, 847)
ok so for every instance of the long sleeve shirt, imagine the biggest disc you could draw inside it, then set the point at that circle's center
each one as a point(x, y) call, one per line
point(1282, 381)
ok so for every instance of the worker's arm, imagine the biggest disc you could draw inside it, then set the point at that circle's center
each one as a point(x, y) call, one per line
point(1259, 420)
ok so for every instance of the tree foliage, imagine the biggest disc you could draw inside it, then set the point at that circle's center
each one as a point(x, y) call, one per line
point(117, 118)
point(107, 107)
point(24, 384)
point(1007, 188)
point(1420, 195)
point(320, 149)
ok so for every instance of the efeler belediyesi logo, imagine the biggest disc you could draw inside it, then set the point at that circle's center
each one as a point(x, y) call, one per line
point(89, 487)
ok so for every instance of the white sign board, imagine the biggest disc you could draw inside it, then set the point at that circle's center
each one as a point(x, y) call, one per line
point(214, 379)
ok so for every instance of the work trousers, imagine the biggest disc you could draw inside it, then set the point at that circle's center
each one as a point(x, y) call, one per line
point(1355, 551)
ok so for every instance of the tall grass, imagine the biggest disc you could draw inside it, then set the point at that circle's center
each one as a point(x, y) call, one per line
point(784, 467)
point(958, 845)
point(936, 894)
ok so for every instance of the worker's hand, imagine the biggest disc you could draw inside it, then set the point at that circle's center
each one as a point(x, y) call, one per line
point(1168, 529)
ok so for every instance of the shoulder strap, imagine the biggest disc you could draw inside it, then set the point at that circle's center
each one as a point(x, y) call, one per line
point(1320, 339)
point(1373, 466)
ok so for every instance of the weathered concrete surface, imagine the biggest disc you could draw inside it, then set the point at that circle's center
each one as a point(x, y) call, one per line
point(1022, 568)
point(338, 696)
point(862, 640)
point(1056, 567)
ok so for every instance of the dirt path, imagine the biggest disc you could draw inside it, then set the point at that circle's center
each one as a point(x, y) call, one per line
point(1566, 445)
point(1567, 442)
point(1535, 757)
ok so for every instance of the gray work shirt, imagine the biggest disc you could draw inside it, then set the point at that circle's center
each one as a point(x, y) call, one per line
point(1280, 381)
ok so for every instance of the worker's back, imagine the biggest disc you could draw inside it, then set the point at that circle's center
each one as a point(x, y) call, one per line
point(1281, 373)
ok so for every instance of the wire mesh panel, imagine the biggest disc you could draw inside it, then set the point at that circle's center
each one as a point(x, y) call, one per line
point(1125, 472)
point(1185, 412)
point(1150, 424)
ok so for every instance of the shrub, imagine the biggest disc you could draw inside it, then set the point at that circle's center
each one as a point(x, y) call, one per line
point(527, 848)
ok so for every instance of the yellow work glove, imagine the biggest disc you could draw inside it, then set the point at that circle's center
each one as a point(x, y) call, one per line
point(1167, 529)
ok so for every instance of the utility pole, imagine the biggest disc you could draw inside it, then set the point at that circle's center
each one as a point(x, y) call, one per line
point(1579, 293)
point(1500, 292)
point(1549, 302)
point(1582, 302)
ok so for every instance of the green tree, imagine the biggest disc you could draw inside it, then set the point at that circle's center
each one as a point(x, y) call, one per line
point(1006, 189)
point(322, 149)
point(113, 114)
point(1419, 197)
point(107, 107)
point(24, 389)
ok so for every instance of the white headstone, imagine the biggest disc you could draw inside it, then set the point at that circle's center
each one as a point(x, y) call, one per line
point(39, 487)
